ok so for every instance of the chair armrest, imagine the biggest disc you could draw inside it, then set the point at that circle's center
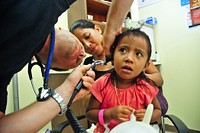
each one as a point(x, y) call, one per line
point(61, 126)
point(180, 125)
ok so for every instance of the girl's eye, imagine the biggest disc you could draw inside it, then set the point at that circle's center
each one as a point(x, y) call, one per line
point(123, 50)
point(139, 54)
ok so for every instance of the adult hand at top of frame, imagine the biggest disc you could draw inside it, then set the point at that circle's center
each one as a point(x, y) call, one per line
point(73, 79)
point(109, 37)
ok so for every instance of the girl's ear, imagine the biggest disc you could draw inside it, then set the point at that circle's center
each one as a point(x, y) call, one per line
point(146, 66)
point(97, 27)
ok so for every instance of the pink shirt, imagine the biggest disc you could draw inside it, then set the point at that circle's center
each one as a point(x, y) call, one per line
point(136, 96)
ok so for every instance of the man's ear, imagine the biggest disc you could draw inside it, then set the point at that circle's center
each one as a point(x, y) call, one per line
point(146, 66)
point(97, 27)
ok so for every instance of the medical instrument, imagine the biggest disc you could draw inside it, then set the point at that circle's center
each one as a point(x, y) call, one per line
point(74, 122)
point(80, 84)
point(30, 66)
point(44, 91)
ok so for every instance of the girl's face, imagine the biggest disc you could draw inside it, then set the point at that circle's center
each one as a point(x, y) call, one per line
point(91, 40)
point(130, 57)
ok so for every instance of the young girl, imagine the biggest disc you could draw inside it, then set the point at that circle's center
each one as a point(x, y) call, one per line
point(126, 90)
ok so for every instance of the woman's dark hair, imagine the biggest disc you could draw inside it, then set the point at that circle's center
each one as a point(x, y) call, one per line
point(81, 23)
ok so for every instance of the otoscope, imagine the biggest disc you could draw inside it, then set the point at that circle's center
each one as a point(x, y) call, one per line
point(80, 84)
point(75, 124)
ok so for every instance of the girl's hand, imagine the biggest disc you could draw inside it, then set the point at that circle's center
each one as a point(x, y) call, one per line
point(121, 113)
point(139, 114)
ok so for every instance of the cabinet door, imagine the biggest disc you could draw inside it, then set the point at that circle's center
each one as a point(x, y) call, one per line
point(149, 30)
point(78, 107)
point(77, 10)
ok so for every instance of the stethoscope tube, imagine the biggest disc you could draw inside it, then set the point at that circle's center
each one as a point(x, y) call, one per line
point(49, 60)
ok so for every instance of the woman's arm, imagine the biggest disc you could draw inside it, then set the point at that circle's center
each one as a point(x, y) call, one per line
point(115, 18)
point(153, 73)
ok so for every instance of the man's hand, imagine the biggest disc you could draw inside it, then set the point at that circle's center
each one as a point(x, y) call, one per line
point(73, 79)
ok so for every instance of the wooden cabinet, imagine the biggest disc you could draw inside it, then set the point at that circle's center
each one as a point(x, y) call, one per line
point(78, 107)
point(97, 8)
point(81, 8)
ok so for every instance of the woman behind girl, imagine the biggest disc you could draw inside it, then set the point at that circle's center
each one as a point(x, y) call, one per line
point(127, 89)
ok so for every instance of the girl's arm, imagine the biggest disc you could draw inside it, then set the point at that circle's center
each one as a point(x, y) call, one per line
point(119, 113)
point(93, 109)
point(156, 112)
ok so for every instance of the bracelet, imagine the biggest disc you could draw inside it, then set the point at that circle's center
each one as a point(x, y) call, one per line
point(100, 116)
point(60, 101)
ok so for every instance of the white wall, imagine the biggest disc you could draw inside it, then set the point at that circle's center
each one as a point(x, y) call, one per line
point(179, 49)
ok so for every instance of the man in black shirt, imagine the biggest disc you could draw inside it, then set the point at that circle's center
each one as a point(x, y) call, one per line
point(25, 29)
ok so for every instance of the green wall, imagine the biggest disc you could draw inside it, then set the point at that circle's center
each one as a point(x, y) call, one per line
point(179, 49)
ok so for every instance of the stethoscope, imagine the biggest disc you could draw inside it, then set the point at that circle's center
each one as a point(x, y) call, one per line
point(44, 91)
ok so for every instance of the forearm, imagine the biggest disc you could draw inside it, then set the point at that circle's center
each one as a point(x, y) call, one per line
point(92, 115)
point(31, 118)
point(115, 18)
point(156, 111)
point(157, 78)
point(117, 13)
point(156, 115)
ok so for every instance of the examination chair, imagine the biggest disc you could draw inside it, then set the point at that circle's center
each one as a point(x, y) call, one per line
point(177, 123)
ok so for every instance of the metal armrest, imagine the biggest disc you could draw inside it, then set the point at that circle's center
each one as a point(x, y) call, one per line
point(180, 125)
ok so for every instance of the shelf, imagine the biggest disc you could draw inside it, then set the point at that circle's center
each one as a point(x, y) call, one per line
point(156, 63)
point(98, 9)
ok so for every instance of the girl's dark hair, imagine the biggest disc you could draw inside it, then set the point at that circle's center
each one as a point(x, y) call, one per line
point(132, 32)
point(81, 23)
point(137, 33)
